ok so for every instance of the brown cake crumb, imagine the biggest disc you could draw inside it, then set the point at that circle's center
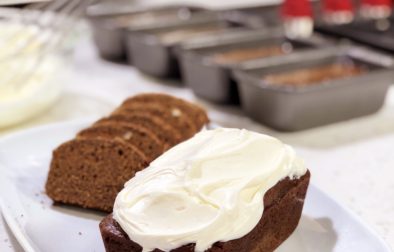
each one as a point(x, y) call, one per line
point(136, 135)
point(193, 111)
point(91, 172)
point(170, 114)
point(315, 75)
point(244, 54)
point(167, 133)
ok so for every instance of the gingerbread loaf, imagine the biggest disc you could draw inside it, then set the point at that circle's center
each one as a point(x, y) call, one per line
point(315, 75)
point(282, 211)
point(224, 190)
point(91, 169)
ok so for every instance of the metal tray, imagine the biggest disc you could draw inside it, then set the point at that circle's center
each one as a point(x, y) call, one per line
point(110, 36)
point(158, 58)
point(365, 32)
point(212, 80)
point(288, 108)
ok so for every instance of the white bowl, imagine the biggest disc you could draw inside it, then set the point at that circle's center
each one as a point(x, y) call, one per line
point(36, 96)
point(31, 72)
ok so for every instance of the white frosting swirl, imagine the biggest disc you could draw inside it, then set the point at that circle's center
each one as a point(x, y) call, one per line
point(207, 189)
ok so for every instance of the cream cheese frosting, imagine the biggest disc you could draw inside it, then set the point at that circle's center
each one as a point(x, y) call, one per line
point(30, 78)
point(207, 189)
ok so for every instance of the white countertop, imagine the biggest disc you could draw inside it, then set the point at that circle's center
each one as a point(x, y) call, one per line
point(353, 161)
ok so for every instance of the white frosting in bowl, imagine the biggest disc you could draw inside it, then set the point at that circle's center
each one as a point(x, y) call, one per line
point(207, 189)
point(31, 78)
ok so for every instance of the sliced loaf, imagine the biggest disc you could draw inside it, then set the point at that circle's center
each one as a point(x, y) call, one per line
point(91, 172)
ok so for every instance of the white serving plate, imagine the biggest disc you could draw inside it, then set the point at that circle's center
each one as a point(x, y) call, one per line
point(325, 226)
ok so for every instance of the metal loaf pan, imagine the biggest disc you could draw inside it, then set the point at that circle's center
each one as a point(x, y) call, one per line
point(213, 81)
point(110, 35)
point(256, 16)
point(378, 34)
point(158, 58)
point(289, 108)
point(262, 16)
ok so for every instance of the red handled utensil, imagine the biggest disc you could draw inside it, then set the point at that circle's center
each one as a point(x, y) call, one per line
point(338, 11)
point(297, 17)
point(376, 9)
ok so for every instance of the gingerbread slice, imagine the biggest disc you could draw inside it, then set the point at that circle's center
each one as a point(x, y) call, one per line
point(140, 137)
point(173, 116)
point(196, 113)
point(91, 172)
point(164, 131)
